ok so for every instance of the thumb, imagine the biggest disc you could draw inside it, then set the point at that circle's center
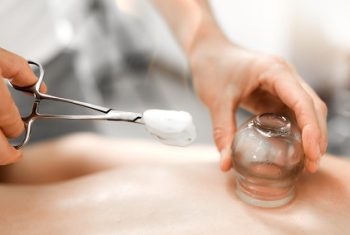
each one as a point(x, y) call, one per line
point(224, 126)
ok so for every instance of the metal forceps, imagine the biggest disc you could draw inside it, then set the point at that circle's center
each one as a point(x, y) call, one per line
point(106, 113)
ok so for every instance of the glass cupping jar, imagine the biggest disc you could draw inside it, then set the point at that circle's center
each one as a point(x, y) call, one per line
point(267, 158)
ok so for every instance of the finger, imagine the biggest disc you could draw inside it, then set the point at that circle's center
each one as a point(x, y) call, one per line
point(224, 126)
point(321, 110)
point(17, 69)
point(289, 90)
point(11, 124)
point(8, 153)
point(311, 166)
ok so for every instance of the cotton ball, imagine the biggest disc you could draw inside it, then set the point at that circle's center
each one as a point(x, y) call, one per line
point(170, 127)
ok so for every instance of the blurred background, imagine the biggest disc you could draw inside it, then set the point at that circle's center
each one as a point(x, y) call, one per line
point(120, 54)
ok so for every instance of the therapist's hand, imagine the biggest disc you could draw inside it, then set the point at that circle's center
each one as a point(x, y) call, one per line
point(226, 76)
point(17, 70)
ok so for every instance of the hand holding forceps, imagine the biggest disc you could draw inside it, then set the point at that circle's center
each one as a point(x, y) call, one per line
point(169, 127)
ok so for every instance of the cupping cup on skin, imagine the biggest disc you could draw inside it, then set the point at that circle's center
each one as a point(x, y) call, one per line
point(169, 126)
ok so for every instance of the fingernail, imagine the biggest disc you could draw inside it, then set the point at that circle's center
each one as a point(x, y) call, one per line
point(223, 153)
point(225, 161)
point(311, 166)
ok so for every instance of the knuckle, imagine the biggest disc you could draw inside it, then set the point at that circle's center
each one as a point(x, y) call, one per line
point(273, 68)
point(22, 65)
point(274, 61)
point(305, 98)
point(302, 104)
point(21, 62)
point(323, 107)
point(15, 68)
point(318, 134)
point(308, 99)
point(17, 65)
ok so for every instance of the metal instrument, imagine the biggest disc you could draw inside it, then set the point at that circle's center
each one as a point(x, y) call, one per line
point(181, 136)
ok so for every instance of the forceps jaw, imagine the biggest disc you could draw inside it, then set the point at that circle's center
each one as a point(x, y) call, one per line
point(115, 115)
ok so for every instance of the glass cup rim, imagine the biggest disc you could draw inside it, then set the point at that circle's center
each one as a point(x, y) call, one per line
point(272, 123)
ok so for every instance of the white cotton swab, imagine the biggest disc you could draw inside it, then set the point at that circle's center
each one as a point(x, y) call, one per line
point(169, 126)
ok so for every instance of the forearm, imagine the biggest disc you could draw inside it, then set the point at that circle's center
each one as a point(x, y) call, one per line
point(191, 22)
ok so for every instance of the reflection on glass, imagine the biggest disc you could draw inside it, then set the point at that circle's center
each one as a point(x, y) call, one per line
point(267, 158)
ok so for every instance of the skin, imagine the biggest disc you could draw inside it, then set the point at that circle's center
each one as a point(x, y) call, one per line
point(63, 187)
point(227, 76)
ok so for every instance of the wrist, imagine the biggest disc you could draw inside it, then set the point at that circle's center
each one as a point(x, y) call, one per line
point(207, 33)
point(209, 40)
